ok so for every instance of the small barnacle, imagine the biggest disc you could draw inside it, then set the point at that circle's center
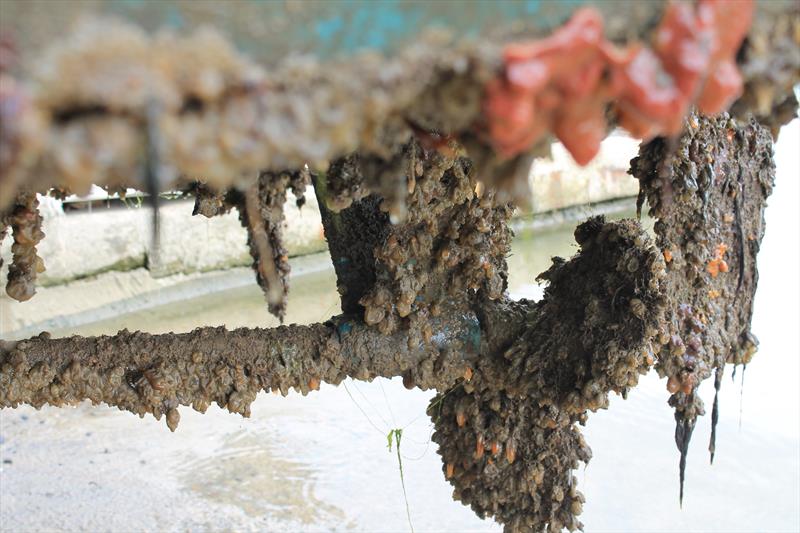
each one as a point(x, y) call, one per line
point(717, 264)
point(591, 389)
point(673, 384)
point(694, 344)
point(238, 403)
point(374, 314)
point(688, 383)
point(676, 347)
point(511, 452)
point(387, 325)
point(154, 382)
point(638, 308)
point(201, 405)
point(479, 447)
point(197, 357)
point(576, 507)
point(427, 332)
point(461, 419)
point(403, 308)
point(173, 418)
point(488, 269)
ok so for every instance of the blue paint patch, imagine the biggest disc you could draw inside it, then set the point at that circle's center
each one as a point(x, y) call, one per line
point(344, 328)
point(174, 18)
point(378, 26)
point(328, 29)
point(473, 336)
point(532, 6)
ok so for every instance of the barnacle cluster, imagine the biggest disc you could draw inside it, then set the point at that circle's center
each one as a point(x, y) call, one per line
point(261, 212)
point(770, 65)
point(453, 240)
point(707, 191)
point(26, 229)
point(21, 137)
point(217, 115)
point(106, 90)
point(260, 209)
point(507, 432)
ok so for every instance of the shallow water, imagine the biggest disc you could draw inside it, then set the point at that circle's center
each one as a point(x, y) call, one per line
point(320, 463)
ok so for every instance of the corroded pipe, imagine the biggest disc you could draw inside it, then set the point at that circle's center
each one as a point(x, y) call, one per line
point(146, 373)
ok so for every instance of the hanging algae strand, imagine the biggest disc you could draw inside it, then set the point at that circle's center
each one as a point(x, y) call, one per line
point(397, 435)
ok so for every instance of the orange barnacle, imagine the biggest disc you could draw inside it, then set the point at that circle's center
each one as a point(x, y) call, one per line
point(449, 471)
point(468, 374)
point(667, 255)
point(479, 447)
point(313, 384)
point(152, 380)
point(717, 263)
point(688, 384)
point(673, 384)
point(511, 452)
point(461, 419)
point(495, 448)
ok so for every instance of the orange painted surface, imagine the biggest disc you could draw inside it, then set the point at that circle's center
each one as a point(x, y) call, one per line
point(564, 83)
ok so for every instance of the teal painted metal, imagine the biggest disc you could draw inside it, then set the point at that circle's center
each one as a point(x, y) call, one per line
point(268, 30)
